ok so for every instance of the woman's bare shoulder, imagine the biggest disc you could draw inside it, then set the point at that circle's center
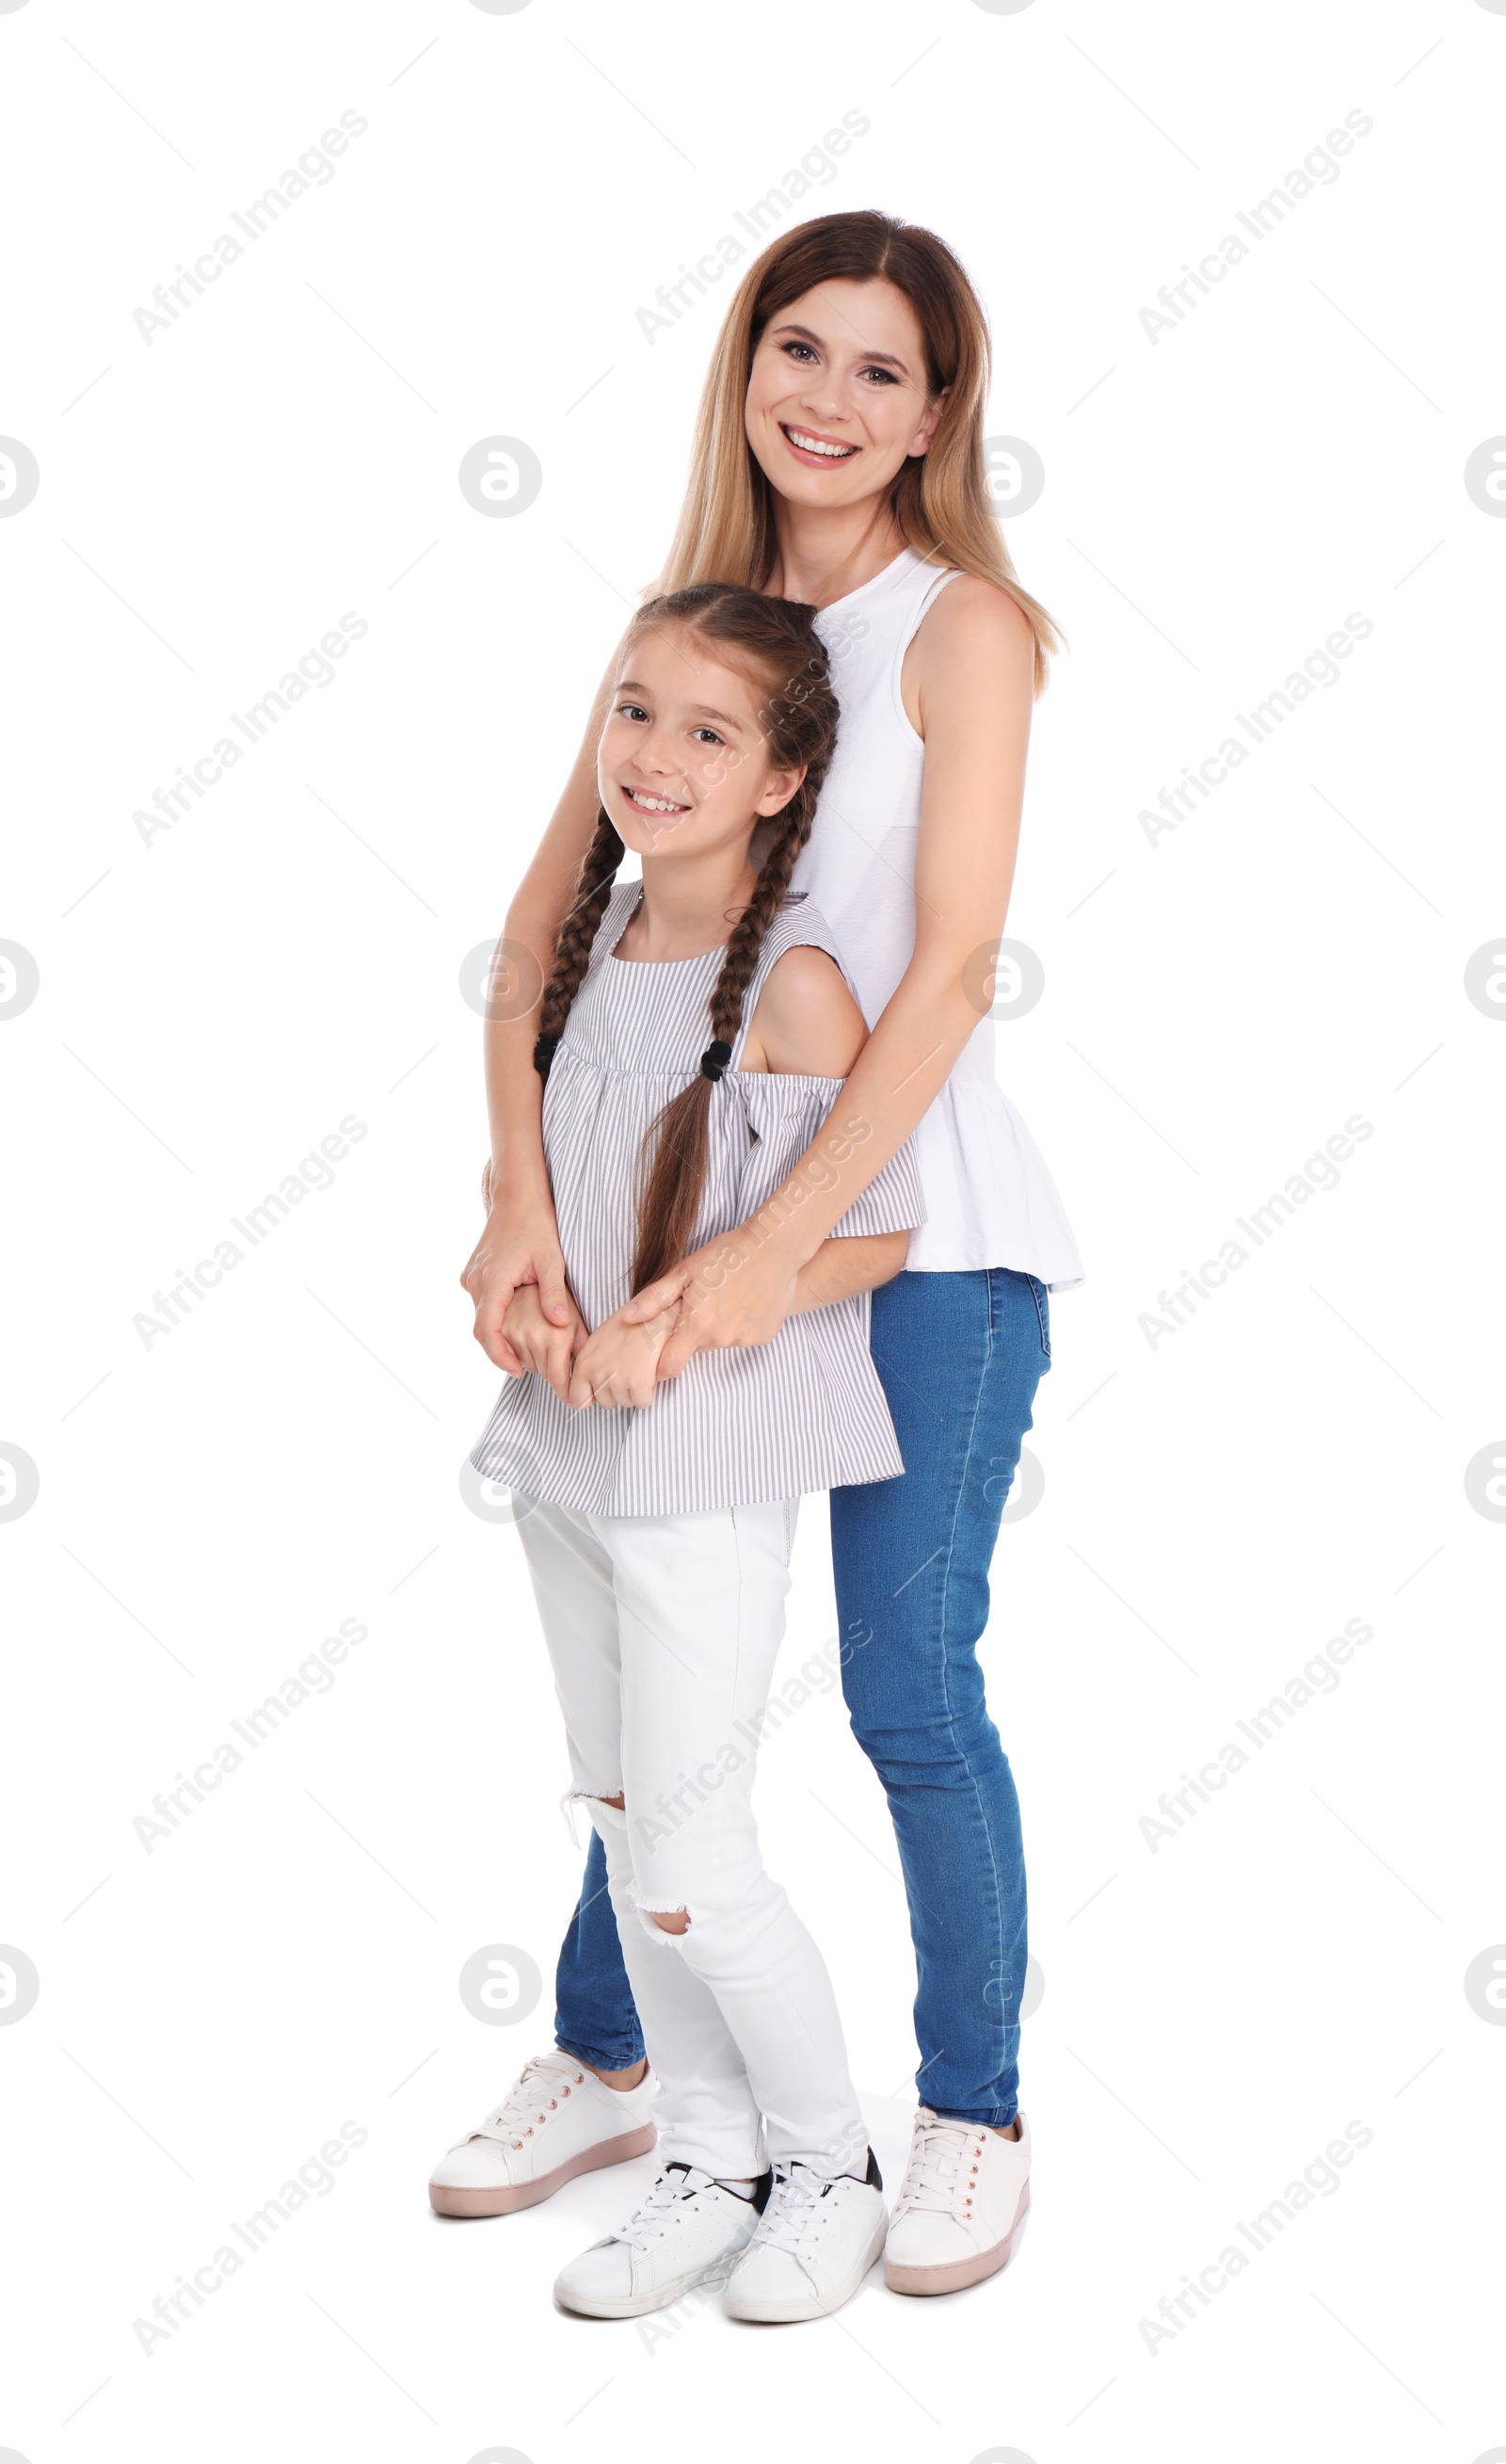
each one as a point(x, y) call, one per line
point(975, 648)
point(976, 616)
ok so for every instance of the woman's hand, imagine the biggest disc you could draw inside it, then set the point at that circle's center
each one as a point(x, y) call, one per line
point(547, 1349)
point(619, 1362)
point(519, 1246)
point(738, 1290)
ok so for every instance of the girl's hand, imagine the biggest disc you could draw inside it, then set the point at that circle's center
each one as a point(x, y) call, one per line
point(519, 1246)
point(738, 1290)
point(620, 1363)
point(547, 1349)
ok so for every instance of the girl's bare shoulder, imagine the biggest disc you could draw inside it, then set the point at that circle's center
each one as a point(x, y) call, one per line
point(807, 1022)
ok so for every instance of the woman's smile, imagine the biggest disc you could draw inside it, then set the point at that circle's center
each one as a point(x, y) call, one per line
point(811, 446)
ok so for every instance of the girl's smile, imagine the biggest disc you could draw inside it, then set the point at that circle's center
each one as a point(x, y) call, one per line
point(643, 803)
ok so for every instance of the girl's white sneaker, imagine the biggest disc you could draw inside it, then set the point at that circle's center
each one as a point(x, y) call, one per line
point(555, 2121)
point(816, 2241)
point(689, 2231)
point(962, 2206)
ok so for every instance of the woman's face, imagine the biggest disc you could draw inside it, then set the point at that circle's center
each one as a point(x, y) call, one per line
point(836, 398)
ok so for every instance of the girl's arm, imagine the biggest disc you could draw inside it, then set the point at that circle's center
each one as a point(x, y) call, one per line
point(971, 664)
point(520, 1243)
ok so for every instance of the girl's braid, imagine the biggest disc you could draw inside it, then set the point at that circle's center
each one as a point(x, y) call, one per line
point(770, 891)
point(679, 1142)
point(572, 953)
point(576, 933)
point(776, 638)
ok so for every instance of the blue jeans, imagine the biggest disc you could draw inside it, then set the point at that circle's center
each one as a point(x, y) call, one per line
point(960, 1357)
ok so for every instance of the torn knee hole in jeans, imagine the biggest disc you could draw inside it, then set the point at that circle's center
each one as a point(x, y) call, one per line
point(657, 1916)
point(588, 1798)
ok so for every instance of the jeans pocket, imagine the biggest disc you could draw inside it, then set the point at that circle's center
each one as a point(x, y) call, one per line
point(1042, 1300)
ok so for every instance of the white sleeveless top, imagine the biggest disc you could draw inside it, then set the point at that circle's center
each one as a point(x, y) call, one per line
point(740, 1427)
point(989, 1197)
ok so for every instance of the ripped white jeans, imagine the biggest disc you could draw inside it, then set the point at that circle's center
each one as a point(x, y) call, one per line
point(663, 1631)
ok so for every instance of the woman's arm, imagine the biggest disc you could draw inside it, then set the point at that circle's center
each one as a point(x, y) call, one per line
point(971, 669)
point(852, 1265)
point(806, 1024)
point(619, 1364)
point(520, 1243)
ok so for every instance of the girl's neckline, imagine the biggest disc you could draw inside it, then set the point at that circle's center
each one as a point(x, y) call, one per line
point(699, 959)
point(718, 949)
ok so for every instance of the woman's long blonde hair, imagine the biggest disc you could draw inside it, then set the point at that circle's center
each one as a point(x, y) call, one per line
point(940, 498)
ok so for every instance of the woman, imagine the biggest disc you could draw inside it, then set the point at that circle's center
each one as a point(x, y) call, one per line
point(839, 461)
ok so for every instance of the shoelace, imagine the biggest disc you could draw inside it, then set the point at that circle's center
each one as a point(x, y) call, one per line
point(939, 2175)
point(527, 2104)
point(794, 2207)
point(652, 2220)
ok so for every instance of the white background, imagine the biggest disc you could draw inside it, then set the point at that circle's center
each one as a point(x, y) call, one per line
point(1217, 1004)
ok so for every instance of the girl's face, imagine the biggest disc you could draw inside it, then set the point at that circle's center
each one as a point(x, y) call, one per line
point(837, 398)
point(683, 765)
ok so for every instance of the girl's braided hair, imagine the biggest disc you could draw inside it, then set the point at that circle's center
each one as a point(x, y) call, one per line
point(777, 641)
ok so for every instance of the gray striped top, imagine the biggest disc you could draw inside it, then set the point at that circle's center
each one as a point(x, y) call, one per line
point(738, 1427)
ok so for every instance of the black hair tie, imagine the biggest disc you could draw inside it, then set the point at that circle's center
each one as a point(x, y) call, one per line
point(714, 1060)
point(544, 1053)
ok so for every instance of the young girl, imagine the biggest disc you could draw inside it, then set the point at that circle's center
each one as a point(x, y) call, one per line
point(696, 1034)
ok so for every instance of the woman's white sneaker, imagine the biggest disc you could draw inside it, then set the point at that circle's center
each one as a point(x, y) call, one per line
point(555, 2121)
point(689, 2231)
point(815, 2243)
point(964, 2199)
